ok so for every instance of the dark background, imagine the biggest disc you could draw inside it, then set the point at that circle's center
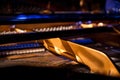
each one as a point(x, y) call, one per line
point(34, 6)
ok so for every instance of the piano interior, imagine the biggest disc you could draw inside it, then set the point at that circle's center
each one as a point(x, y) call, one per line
point(23, 30)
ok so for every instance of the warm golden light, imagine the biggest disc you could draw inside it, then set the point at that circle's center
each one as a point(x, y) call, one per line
point(20, 31)
point(100, 24)
point(97, 61)
point(87, 25)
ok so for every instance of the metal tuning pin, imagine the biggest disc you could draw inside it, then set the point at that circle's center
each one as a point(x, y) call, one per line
point(58, 28)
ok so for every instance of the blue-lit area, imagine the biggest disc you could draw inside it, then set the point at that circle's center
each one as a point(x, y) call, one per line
point(83, 41)
point(20, 46)
point(23, 17)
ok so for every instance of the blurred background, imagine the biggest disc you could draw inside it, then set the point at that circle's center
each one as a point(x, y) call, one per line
point(38, 6)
